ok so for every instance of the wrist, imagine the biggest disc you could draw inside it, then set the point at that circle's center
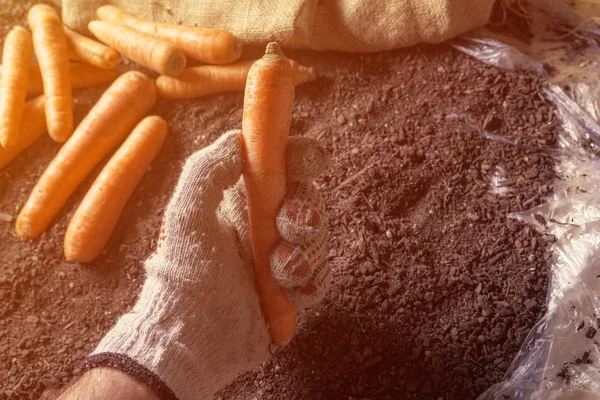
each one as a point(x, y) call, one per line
point(191, 345)
point(108, 383)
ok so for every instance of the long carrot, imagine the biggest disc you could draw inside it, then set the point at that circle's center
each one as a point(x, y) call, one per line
point(96, 217)
point(50, 45)
point(81, 76)
point(210, 79)
point(13, 83)
point(212, 46)
point(155, 54)
point(265, 124)
point(107, 124)
point(89, 51)
point(31, 128)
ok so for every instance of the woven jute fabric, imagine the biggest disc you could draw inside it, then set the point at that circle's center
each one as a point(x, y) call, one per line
point(344, 25)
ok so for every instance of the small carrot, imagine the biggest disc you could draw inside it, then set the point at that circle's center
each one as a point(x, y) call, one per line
point(107, 124)
point(50, 45)
point(301, 73)
point(31, 128)
point(96, 217)
point(89, 51)
point(155, 54)
point(81, 76)
point(210, 79)
point(212, 46)
point(265, 123)
point(13, 83)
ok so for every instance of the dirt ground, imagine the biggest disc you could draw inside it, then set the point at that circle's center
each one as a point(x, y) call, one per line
point(434, 289)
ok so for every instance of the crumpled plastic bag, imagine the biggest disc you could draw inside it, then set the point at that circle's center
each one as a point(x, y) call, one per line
point(560, 359)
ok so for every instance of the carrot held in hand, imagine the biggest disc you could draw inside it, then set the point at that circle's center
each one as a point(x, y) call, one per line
point(108, 123)
point(13, 83)
point(89, 51)
point(31, 127)
point(50, 45)
point(265, 124)
point(212, 46)
point(210, 79)
point(155, 54)
point(96, 217)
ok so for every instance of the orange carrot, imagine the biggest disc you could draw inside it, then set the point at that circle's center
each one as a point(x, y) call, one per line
point(13, 83)
point(89, 51)
point(302, 74)
point(31, 128)
point(81, 76)
point(210, 79)
point(96, 217)
point(155, 54)
point(50, 45)
point(108, 123)
point(265, 124)
point(212, 46)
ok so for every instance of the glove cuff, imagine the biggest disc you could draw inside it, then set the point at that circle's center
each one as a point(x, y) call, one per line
point(130, 367)
point(188, 343)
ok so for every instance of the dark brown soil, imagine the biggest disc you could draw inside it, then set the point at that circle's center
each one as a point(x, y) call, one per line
point(434, 288)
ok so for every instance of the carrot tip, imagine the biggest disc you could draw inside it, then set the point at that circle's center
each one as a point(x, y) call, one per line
point(177, 65)
point(273, 48)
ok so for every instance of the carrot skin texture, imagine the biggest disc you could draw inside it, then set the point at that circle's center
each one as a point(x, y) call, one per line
point(17, 53)
point(50, 45)
point(96, 217)
point(265, 123)
point(81, 76)
point(108, 123)
point(84, 49)
point(212, 46)
point(204, 80)
point(31, 128)
point(156, 54)
point(209, 79)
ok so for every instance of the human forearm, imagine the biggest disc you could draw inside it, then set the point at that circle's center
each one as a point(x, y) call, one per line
point(107, 383)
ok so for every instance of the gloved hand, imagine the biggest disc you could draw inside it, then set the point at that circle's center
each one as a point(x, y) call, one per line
point(197, 322)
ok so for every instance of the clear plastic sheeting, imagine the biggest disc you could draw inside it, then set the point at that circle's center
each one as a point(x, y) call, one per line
point(560, 359)
point(494, 52)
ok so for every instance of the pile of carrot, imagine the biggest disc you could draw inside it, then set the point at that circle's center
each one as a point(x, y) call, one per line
point(36, 97)
point(168, 46)
point(54, 76)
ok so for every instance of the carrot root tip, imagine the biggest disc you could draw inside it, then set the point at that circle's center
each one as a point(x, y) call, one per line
point(177, 65)
point(273, 48)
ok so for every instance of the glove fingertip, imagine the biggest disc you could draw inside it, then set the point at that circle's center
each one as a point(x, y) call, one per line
point(292, 232)
point(288, 265)
point(306, 159)
point(314, 290)
point(302, 216)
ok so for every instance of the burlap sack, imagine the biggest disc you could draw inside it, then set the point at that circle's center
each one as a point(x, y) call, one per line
point(345, 25)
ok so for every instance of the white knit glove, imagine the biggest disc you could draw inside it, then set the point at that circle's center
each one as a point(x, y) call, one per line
point(197, 322)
